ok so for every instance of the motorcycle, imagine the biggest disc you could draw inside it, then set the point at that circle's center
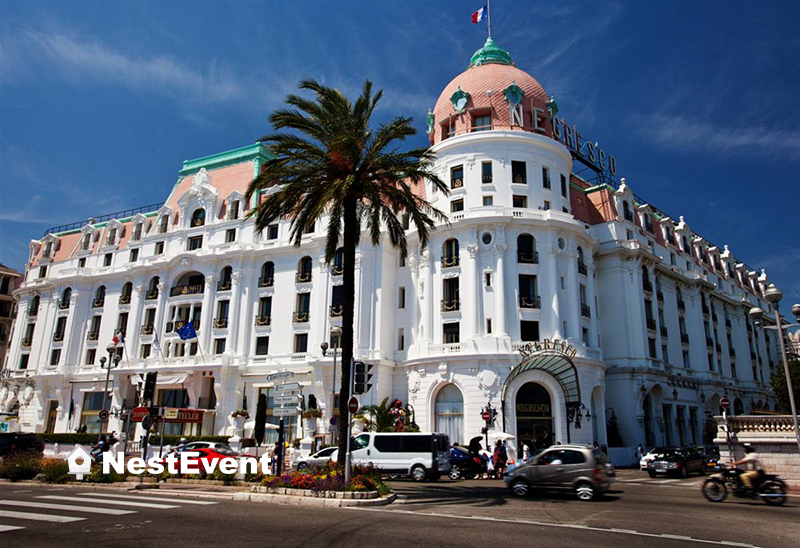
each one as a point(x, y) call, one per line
point(767, 487)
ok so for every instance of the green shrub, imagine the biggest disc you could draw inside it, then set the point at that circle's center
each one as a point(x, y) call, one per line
point(97, 476)
point(218, 475)
point(70, 439)
point(20, 466)
point(248, 442)
point(55, 470)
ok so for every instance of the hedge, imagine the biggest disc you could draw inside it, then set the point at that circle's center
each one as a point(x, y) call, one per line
point(91, 439)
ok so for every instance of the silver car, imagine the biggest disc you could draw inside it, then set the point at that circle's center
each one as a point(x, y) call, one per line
point(577, 468)
point(320, 458)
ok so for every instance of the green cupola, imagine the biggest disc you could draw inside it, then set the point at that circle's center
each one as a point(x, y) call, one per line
point(490, 53)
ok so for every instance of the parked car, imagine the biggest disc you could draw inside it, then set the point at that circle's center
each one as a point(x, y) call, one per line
point(207, 455)
point(465, 464)
point(19, 443)
point(578, 468)
point(192, 446)
point(710, 454)
point(679, 461)
point(320, 458)
point(420, 456)
point(650, 455)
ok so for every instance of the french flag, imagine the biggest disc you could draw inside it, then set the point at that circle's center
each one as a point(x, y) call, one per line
point(480, 15)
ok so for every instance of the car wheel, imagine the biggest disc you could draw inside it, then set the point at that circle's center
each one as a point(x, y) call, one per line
point(585, 491)
point(684, 473)
point(455, 472)
point(520, 488)
point(418, 473)
point(651, 473)
point(302, 466)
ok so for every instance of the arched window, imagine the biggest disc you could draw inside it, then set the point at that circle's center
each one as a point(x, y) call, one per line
point(152, 288)
point(449, 413)
point(127, 291)
point(199, 217)
point(267, 275)
point(338, 262)
point(450, 253)
point(225, 279)
point(304, 270)
point(33, 310)
point(65, 296)
point(100, 296)
point(526, 249)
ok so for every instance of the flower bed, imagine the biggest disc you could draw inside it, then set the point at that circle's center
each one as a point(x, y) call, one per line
point(327, 483)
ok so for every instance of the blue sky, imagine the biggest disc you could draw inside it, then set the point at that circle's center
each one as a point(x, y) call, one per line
point(100, 102)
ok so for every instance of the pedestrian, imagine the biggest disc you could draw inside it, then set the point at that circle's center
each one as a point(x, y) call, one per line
point(639, 453)
point(526, 453)
point(500, 458)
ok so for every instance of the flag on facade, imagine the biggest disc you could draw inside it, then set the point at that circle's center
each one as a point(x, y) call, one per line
point(156, 344)
point(119, 338)
point(187, 331)
point(480, 15)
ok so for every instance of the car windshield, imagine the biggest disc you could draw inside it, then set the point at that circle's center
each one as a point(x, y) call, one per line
point(667, 454)
point(325, 452)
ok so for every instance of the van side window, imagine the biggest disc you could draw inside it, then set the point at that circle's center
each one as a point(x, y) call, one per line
point(387, 444)
point(417, 444)
point(573, 457)
point(361, 441)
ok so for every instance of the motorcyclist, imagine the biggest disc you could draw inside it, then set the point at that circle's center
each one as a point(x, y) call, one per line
point(752, 464)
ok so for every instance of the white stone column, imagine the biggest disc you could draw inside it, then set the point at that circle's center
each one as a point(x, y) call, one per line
point(233, 314)
point(470, 305)
point(590, 297)
point(573, 296)
point(207, 315)
point(426, 287)
point(134, 334)
point(554, 312)
point(500, 292)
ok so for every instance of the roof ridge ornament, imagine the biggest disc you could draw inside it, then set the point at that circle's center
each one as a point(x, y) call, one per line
point(490, 53)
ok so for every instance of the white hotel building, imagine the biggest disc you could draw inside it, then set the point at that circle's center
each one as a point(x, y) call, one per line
point(655, 315)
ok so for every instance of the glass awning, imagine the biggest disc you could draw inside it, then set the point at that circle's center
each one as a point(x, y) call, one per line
point(559, 366)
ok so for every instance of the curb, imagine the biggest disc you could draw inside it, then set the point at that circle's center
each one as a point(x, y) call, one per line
point(318, 502)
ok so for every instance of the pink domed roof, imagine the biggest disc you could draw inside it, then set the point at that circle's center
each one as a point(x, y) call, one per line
point(495, 76)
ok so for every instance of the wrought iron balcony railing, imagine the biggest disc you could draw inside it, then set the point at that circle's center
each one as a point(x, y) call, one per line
point(336, 310)
point(262, 321)
point(220, 323)
point(92, 335)
point(526, 301)
point(300, 317)
point(147, 329)
point(224, 285)
point(265, 282)
point(192, 289)
point(449, 261)
point(528, 258)
point(450, 305)
point(586, 311)
point(302, 277)
point(124, 299)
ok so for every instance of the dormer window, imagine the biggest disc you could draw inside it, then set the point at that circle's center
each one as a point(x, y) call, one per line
point(648, 223)
point(137, 232)
point(233, 213)
point(199, 217)
point(48, 250)
point(482, 122)
point(112, 236)
point(164, 224)
point(87, 242)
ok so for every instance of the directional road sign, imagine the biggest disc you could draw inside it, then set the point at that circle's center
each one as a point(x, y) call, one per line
point(291, 399)
point(286, 411)
point(287, 386)
point(280, 376)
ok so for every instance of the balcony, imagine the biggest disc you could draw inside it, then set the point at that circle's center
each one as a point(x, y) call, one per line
point(660, 296)
point(664, 332)
point(302, 277)
point(450, 261)
point(124, 299)
point(684, 338)
point(682, 305)
point(92, 335)
point(709, 342)
point(450, 305)
point(58, 337)
point(98, 303)
point(300, 317)
point(586, 311)
point(651, 324)
point(528, 258)
point(220, 323)
point(26, 342)
point(337, 270)
point(336, 310)
point(224, 285)
point(151, 295)
point(180, 290)
point(582, 268)
point(33, 313)
point(198, 222)
point(63, 305)
point(457, 183)
point(180, 323)
point(266, 282)
point(147, 330)
point(486, 179)
point(262, 321)
point(526, 301)
point(647, 285)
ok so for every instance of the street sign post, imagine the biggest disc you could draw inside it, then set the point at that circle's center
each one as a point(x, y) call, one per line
point(287, 386)
point(287, 399)
point(280, 376)
point(286, 411)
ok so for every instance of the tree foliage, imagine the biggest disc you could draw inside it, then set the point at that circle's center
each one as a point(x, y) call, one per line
point(781, 389)
point(261, 418)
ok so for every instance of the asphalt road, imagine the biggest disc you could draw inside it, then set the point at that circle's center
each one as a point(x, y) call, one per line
point(638, 511)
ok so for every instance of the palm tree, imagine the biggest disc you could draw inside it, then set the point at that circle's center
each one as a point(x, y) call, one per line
point(378, 418)
point(332, 165)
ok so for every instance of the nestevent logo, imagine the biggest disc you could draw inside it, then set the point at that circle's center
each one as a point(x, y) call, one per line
point(183, 463)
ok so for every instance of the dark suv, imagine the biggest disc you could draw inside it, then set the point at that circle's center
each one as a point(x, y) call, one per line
point(18, 443)
point(578, 468)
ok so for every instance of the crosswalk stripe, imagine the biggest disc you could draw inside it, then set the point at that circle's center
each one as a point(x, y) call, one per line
point(4, 528)
point(38, 517)
point(107, 501)
point(146, 498)
point(47, 506)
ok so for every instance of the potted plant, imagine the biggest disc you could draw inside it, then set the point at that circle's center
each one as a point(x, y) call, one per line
point(239, 416)
point(310, 416)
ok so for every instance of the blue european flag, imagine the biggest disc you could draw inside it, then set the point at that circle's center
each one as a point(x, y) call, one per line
point(187, 331)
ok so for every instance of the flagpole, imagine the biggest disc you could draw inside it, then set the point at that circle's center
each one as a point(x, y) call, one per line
point(200, 348)
point(489, 16)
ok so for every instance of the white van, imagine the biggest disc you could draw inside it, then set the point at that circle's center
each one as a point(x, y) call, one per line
point(420, 456)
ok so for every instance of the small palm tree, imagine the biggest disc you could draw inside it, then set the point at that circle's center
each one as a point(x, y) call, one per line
point(332, 165)
point(377, 418)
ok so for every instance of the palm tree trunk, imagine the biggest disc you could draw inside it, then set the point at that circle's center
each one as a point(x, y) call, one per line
point(351, 230)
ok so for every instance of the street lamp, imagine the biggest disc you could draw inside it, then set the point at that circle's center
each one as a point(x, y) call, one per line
point(774, 295)
point(336, 335)
point(113, 357)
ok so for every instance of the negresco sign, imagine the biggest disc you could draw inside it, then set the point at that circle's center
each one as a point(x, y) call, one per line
point(556, 346)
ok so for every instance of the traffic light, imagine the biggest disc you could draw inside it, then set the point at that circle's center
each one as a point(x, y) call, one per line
point(361, 378)
point(149, 386)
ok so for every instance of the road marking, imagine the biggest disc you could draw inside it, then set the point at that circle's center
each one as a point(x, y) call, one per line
point(47, 506)
point(38, 517)
point(664, 481)
point(147, 498)
point(106, 501)
point(546, 524)
point(4, 528)
point(23, 491)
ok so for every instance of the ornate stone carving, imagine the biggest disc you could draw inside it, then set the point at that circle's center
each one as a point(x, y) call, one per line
point(489, 381)
point(413, 379)
point(139, 288)
point(473, 250)
point(236, 277)
point(442, 370)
